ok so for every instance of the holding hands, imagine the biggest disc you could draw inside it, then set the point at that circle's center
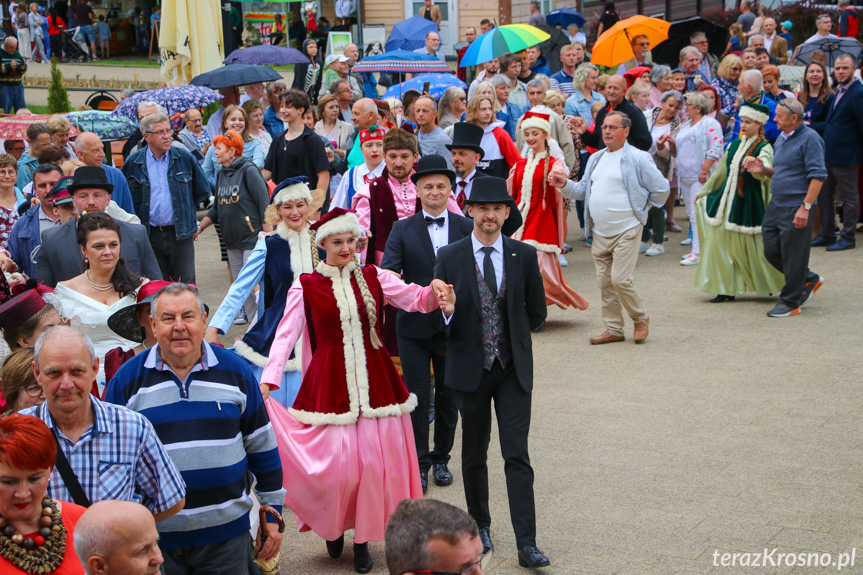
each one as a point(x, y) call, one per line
point(445, 295)
point(753, 165)
point(557, 176)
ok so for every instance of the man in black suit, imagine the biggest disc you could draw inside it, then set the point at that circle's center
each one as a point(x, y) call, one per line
point(466, 149)
point(411, 251)
point(60, 257)
point(500, 299)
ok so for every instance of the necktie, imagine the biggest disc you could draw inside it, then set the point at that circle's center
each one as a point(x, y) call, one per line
point(460, 199)
point(439, 221)
point(368, 178)
point(488, 271)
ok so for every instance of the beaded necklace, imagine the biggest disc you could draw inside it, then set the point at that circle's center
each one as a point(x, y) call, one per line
point(41, 554)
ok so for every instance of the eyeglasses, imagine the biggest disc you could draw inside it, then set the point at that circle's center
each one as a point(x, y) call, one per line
point(160, 133)
point(4, 173)
point(17, 148)
point(484, 563)
point(612, 128)
point(736, 68)
point(33, 390)
point(699, 43)
point(644, 43)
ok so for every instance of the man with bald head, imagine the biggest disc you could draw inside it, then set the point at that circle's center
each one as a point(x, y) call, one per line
point(775, 44)
point(118, 538)
point(12, 69)
point(432, 46)
point(364, 114)
point(366, 80)
point(91, 151)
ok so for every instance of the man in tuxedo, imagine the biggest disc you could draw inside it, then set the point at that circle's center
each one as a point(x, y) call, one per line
point(60, 257)
point(489, 357)
point(466, 150)
point(411, 251)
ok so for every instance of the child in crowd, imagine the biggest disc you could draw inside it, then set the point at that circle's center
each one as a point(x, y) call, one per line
point(639, 95)
point(103, 31)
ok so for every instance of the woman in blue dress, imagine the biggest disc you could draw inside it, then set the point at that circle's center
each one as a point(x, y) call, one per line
point(276, 262)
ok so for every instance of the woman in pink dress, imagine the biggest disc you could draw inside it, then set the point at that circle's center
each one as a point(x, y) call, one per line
point(347, 445)
point(541, 208)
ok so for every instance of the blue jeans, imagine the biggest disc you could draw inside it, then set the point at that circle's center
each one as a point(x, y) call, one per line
point(14, 98)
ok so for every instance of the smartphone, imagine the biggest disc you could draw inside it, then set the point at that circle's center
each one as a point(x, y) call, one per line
point(426, 88)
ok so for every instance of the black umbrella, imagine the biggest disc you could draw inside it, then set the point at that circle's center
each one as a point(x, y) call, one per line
point(235, 75)
point(551, 47)
point(668, 52)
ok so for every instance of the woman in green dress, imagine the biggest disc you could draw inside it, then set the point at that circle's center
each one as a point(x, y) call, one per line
point(730, 209)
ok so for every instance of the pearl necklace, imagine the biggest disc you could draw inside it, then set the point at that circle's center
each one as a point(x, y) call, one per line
point(42, 553)
point(98, 287)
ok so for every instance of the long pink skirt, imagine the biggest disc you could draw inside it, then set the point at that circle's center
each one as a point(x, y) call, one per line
point(557, 289)
point(341, 477)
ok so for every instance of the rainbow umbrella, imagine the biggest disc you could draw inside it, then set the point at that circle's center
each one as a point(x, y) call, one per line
point(501, 40)
point(615, 45)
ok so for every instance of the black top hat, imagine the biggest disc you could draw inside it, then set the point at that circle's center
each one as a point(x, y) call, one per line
point(432, 164)
point(90, 177)
point(467, 135)
point(490, 190)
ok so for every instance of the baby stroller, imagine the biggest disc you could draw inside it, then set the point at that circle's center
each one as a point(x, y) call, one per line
point(74, 48)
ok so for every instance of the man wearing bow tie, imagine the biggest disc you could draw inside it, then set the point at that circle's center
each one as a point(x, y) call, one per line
point(412, 251)
point(466, 150)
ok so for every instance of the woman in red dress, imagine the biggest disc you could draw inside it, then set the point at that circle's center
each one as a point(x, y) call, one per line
point(347, 445)
point(540, 207)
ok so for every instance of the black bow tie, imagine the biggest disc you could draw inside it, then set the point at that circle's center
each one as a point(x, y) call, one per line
point(439, 221)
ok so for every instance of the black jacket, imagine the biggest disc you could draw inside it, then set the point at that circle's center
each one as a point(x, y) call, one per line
point(639, 133)
point(409, 251)
point(525, 306)
point(300, 71)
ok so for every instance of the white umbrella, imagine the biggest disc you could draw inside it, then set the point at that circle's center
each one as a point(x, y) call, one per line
point(190, 39)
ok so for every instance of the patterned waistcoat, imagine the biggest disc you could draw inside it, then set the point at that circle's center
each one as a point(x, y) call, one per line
point(495, 325)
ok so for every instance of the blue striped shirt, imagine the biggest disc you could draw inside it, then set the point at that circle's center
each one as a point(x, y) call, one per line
point(215, 427)
point(119, 457)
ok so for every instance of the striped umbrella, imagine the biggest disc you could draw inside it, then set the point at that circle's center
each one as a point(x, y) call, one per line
point(501, 40)
point(402, 61)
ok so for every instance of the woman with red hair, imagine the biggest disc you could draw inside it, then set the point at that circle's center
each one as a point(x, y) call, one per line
point(35, 530)
point(242, 197)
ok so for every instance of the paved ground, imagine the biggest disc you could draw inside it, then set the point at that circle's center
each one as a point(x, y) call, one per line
point(726, 430)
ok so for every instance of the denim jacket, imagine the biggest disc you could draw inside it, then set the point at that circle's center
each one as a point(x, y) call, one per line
point(186, 181)
point(24, 238)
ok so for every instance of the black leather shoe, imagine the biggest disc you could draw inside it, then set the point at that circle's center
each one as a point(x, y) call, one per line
point(722, 298)
point(335, 548)
point(424, 479)
point(531, 557)
point(442, 476)
point(485, 537)
point(362, 559)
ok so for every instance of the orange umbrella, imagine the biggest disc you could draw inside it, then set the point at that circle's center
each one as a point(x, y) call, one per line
point(615, 45)
point(15, 127)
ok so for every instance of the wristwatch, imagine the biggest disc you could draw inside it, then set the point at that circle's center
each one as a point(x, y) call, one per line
point(806, 206)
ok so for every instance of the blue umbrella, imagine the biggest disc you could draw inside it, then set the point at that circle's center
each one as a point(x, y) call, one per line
point(267, 54)
point(410, 34)
point(103, 123)
point(564, 17)
point(438, 83)
point(175, 99)
point(401, 61)
point(235, 75)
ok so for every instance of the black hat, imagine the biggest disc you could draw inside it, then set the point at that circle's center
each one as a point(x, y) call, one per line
point(432, 164)
point(90, 177)
point(467, 135)
point(490, 190)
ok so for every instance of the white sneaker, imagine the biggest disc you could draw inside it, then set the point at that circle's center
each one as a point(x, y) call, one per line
point(686, 242)
point(562, 260)
point(655, 250)
point(690, 260)
point(643, 247)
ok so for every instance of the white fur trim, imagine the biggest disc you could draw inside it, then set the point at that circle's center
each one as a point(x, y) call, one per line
point(340, 225)
point(292, 194)
point(527, 188)
point(245, 351)
point(731, 188)
point(548, 248)
point(301, 248)
point(534, 122)
point(753, 114)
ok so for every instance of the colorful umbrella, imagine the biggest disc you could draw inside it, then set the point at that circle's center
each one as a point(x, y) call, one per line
point(268, 55)
point(564, 16)
point(178, 99)
point(15, 127)
point(501, 40)
point(236, 75)
point(615, 44)
point(410, 34)
point(402, 61)
point(104, 124)
point(832, 48)
point(438, 83)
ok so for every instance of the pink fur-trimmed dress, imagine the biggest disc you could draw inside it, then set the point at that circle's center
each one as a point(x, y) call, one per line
point(347, 445)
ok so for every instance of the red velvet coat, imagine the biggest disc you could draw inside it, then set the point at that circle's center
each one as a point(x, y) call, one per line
point(540, 223)
point(346, 373)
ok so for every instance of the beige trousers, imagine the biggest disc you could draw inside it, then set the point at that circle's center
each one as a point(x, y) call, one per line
point(615, 259)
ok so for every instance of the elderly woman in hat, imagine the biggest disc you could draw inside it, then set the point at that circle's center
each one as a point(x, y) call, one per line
point(541, 209)
point(279, 258)
point(347, 443)
point(730, 208)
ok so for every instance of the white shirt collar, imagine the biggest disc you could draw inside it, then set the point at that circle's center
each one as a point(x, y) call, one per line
point(477, 246)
